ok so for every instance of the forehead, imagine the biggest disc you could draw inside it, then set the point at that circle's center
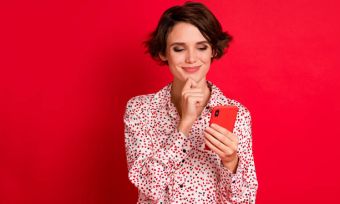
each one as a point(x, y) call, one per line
point(185, 33)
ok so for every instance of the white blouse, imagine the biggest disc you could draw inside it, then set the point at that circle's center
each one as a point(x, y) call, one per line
point(168, 167)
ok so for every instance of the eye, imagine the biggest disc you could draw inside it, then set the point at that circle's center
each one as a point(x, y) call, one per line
point(176, 49)
point(203, 48)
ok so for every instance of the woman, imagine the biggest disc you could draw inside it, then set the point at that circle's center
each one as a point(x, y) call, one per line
point(165, 132)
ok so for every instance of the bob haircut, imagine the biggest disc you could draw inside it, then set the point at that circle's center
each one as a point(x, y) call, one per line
point(196, 14)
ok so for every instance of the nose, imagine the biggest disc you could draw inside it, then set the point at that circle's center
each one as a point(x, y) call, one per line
point(191, 56)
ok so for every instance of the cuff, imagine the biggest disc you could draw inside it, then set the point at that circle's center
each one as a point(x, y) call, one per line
point(232, 181)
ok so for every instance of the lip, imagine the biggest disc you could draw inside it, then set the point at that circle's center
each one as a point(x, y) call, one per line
point(191, 69)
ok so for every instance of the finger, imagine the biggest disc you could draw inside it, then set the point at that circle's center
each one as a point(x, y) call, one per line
point(219, 128)
point(219, 136)
point(194, 84)
point(193, 90)
point(189, 84)
point(221, 146)
point(225, 152)
point(188, 94)
point(218, 144)
point(225, 132)
point(194, 100)
point(212, 147)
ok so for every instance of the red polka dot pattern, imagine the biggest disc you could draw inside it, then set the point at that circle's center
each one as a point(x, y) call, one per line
point(168, 167)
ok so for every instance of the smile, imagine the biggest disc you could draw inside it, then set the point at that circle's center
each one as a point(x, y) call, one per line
point(191, 69)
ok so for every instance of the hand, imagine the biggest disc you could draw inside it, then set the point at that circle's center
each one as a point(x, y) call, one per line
point(224, 143)
point(192, 99)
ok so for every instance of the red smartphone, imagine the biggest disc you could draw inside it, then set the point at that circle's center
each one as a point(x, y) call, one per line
point(224, 116)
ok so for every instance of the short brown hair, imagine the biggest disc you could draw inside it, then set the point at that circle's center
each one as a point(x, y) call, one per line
point(196, 14)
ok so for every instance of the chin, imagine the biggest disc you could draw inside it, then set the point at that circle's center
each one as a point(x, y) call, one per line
point(195, 78)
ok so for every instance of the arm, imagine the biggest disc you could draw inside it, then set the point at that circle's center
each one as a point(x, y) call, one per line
point(150, 168)
point(240, 187)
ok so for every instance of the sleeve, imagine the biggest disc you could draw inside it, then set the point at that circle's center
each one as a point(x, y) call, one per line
point(150, 169)
point(240, 187)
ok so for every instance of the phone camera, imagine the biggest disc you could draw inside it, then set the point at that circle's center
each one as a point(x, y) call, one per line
point(217, 112)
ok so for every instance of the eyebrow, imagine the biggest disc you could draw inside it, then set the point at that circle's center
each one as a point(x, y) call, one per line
point(182, 43)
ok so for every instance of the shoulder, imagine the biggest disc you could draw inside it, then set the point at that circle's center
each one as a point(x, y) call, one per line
point(221, 99)
point(243, 114)
point(139, 103)
point(143, 104)
point(243, 111)
point(135, 110)
point(243, 122)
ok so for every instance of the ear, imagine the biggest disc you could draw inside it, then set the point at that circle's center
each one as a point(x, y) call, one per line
point(162, 57)
point(213, 54)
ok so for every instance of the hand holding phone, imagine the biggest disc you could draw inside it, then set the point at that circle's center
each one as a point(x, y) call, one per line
point(224, 116)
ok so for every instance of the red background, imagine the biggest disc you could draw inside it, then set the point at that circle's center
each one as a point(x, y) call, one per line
point(69, 67)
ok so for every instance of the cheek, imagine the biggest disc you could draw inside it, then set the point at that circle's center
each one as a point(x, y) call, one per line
point(176, 58)
point(206, 58)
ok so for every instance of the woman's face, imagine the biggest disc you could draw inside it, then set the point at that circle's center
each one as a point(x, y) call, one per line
point(188, 53)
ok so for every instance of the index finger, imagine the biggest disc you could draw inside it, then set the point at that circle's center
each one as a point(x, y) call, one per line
point(224, 131)
point(189, 84)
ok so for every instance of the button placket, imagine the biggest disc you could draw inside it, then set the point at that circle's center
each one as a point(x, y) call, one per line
point(180, 180)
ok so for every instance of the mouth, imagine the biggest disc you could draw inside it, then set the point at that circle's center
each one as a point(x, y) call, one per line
point(191, 69)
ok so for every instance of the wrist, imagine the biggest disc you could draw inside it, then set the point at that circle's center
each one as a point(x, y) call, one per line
point(231, 165)
point(184, 127)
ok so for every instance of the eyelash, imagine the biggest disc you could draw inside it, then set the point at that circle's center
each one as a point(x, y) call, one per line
point(180, 50)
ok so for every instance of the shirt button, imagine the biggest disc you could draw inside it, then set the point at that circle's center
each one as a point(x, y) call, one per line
point(181, 186)
point(200, 118)
point(183, 160)
point(184, 150)
point(207, 107)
